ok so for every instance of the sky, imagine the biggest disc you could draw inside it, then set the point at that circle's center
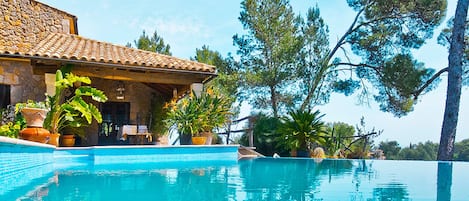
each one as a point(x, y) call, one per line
point(187, 25)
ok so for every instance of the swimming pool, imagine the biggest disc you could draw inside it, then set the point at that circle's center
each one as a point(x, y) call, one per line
point(258, 179)
point(255, 179)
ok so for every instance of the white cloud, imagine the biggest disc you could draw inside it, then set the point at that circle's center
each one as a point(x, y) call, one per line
point(183, 34)
point(185, 26)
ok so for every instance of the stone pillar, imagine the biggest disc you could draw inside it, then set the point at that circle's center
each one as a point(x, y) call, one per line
point(50, 84)
point(175, 93)
point(197, 88)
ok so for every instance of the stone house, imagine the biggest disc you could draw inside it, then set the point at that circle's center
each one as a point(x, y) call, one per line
point(37, 39)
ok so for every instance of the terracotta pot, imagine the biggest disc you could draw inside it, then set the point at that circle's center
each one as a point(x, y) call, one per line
point(54, 139)
point(35, 134)
point(209, 136)
point(199, 140)
point(34, 116)
point(68, 140)
point(162, 140)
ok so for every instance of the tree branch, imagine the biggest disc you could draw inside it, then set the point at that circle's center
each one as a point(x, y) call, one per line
point(357, 65)
point(428, 82)
point(341, 40)
point(346, 54)
point(376, 20)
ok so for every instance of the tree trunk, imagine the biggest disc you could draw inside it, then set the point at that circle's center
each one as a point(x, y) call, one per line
point(273, 99)
point(453, 93)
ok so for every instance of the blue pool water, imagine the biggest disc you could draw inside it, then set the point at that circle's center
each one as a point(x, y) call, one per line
point(256, 179)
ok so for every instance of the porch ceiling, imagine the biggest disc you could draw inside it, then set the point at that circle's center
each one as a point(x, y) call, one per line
point(164, 82)
point(125, 74)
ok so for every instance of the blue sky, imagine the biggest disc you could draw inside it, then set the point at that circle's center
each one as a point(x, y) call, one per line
point(187, 25)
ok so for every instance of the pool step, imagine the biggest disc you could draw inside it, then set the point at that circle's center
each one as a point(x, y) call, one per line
point(248, 152)
point(74, 154)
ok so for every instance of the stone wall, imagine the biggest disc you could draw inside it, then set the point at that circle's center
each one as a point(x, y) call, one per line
point(138, 94)
point(24, 84)
point(23, 22)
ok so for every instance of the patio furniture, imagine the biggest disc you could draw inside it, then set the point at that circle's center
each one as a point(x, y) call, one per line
point(134, 135)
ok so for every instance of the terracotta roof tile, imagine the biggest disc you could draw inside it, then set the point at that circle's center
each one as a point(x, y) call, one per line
point(74, 47)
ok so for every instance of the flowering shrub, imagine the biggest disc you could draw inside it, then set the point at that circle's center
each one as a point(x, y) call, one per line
point(11, 123)
point(8, 115)
point(10, 129)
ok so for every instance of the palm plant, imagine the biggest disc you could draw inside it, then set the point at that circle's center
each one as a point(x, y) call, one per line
point(300, 129)
point(72, 111)
point(264, 136)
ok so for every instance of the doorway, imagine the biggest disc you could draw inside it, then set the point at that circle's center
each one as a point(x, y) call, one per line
point(4, 96)
point(115, 114)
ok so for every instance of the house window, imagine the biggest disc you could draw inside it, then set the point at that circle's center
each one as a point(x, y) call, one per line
point(4, 95)
point(68, 25)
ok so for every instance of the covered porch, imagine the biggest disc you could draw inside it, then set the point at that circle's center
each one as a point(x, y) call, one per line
point(130, 78)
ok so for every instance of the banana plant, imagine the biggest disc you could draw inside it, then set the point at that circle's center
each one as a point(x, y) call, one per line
point(72, 111)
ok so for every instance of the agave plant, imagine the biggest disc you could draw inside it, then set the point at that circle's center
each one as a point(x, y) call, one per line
point(300, 129)
point(72, 111)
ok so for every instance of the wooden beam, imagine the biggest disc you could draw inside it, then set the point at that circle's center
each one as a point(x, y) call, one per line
point(128, 75)
point(183, 90)
point(14, 59)
point(44, 69)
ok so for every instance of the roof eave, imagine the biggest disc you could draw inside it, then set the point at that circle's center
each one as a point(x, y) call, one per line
point(113, 65)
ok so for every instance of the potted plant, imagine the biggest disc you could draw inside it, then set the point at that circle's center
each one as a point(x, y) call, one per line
point(69, 133)
point(34, 114)
point(72, 111)
point(216, 110)
point(300, 129)
point(194, 116)
point(158, 115)
point(186, 117)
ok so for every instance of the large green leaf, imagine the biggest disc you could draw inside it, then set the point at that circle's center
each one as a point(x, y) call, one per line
point(94, 93)
point(72, 111)
point(67, 80)
point(81, 106)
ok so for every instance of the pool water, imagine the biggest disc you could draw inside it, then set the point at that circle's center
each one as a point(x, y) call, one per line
point(256, 179)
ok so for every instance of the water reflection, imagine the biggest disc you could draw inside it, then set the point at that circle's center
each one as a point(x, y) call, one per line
point(160, 184)
point(289, 179)
point(260, 179)
point(393, 191)
point(444, 181)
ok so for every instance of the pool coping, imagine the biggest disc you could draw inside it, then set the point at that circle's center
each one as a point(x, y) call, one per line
point(37, 144)
point(141, 146)
point(119, 154)
point(25, 142)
